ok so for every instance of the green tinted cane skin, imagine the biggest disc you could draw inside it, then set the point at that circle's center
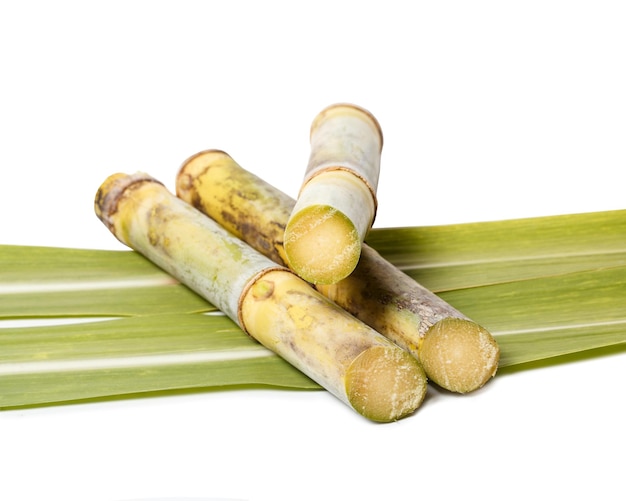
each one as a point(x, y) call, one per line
point(274, 306)
point(376, 292)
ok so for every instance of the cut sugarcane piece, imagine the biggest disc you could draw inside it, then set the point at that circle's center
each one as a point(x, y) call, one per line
point(377, 292)
point(287, 316)
point(269, 302)
point(336, 205)
point(324, 235)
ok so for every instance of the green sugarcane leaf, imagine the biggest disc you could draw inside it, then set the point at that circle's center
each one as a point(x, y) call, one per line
point(50, 282)
point(40, 365)
point(545, 287)
point(110, 301)
point(40, 265)
point(467, 255)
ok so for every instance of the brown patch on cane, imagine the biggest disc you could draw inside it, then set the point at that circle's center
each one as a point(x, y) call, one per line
point(191, 171)
point(115, 188)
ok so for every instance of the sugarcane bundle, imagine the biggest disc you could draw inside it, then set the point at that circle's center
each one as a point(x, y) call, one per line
point(280, 310)
point(456, 352)
point(157, 335)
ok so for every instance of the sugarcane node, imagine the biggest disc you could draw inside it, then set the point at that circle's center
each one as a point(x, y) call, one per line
point(262, 289)
point(112, 190)
point(258, 288)
point(374, 376)
point(357, 177)
point(459, 355)
point(346, 136)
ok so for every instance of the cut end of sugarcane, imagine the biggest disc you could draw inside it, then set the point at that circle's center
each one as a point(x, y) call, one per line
point(459, 355)
point(385, 384)
point(322, 245)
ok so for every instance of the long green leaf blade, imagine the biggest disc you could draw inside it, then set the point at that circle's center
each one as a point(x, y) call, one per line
point(554, 342)
point(110, 301)
point(40, 265)
point(41, 365)
point(472, 254)
point(49, 282)
point(585, 297)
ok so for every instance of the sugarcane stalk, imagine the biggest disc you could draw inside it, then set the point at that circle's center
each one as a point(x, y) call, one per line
point(336, 205)
point(269, 302)
point(457, 353)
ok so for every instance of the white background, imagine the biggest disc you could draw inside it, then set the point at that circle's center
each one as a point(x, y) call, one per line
point(490, 110)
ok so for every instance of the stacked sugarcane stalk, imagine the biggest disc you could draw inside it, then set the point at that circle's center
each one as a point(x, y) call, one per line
point(297, 275)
